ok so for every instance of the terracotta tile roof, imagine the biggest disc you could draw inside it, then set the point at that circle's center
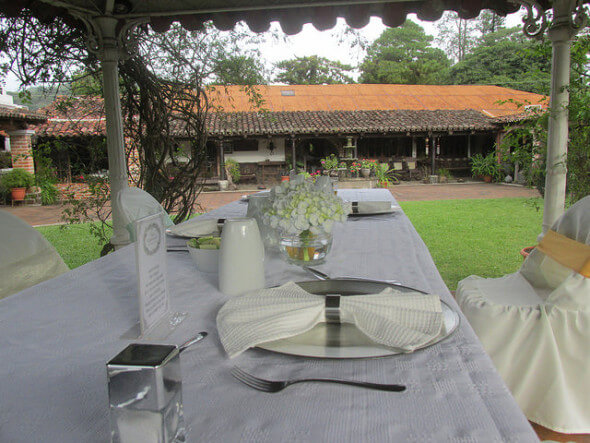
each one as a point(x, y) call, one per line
point(72, 117)
point(529, 113)
point(360, 97)
point(346, 122)
point(324, 109)
point(20, 114)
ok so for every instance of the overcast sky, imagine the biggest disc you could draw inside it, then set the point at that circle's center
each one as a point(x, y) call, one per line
point(325, 44)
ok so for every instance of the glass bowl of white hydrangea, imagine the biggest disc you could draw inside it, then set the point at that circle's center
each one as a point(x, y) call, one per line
point(303, 213)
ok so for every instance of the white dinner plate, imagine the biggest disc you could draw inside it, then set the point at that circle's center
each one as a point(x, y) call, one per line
point(329, 340)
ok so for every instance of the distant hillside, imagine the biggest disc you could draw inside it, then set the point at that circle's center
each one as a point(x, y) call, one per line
point(40, 96)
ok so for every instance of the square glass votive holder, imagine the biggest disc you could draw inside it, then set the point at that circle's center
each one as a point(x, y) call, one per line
point(145, 395)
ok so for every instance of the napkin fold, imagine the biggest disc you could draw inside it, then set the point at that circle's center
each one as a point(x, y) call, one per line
point(371, 207)
point(404, 320)
point(195, 228)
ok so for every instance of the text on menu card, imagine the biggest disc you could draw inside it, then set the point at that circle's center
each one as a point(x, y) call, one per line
point(150, 252)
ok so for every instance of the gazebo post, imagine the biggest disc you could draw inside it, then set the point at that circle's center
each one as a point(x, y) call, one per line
point(109, 57)
point(561, 34)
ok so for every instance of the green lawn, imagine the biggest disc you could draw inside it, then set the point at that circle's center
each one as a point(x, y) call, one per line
point(75, 243)
point(481, 237)
point(465, 237)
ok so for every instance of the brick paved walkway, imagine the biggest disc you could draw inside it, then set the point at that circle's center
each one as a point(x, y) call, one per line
point(44, 215)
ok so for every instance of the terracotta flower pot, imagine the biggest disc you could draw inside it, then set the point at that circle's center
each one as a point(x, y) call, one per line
point(487, 178)
point(18, 194)
point(526, 251)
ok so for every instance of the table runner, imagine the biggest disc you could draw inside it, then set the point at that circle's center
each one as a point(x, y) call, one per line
point(56, 337)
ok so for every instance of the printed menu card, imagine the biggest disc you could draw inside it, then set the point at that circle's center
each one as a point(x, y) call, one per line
point(150, 253)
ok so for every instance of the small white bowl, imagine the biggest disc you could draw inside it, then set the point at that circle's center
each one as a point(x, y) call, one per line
point(207, 260)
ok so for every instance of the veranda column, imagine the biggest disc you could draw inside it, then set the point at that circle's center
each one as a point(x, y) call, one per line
point(21, 149)
point(293, 154)
point(109, 56)
point(433, 155)
point(560, 34)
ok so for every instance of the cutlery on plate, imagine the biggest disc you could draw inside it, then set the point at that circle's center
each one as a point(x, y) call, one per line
point(276, 385)
point(323, 276)
point(196, 339)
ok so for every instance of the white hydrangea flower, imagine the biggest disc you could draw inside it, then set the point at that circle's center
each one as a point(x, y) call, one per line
point(299, 206)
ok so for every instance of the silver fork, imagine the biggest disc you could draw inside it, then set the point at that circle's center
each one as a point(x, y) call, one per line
point(276, 386)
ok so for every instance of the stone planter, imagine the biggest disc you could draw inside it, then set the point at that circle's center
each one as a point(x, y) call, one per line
point(223, 185)
point(365, 172)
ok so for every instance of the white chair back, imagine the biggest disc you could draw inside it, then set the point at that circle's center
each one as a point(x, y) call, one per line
point(135, 203)
point(542, 271)
point(26, 257)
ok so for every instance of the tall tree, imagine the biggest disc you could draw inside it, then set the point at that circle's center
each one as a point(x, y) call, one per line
point(239, 70)
point(489, 22)
point(506, 58)
point(313, 70)
point(404, 55)
point(456, 35)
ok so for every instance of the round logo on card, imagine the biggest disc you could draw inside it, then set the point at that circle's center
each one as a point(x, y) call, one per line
point(151, 239)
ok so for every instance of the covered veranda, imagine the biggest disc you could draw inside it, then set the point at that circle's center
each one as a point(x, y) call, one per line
point(108, 27)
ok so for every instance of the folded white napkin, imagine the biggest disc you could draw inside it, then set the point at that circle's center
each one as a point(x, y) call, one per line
point(404, 320)
point(195, 227)
point(372, 207)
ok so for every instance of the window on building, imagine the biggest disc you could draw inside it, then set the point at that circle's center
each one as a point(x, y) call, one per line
point(247, 144)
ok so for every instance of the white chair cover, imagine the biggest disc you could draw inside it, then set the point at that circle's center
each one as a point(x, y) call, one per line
point(535, 325)
point(26, 257)
point(135, 203)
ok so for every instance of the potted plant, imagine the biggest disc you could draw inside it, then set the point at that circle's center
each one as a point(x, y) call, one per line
point(384, 175)
point(18, 180)
point(444, 175)
point(233, 167)
point(329, 163)
point(485, 167)
point(303, 214)
point(366, 166)
point(355, 167)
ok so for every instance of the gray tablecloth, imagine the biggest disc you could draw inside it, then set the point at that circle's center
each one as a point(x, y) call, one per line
point(56, 337)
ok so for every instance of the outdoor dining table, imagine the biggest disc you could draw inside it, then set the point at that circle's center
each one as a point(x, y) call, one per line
point(56, 337)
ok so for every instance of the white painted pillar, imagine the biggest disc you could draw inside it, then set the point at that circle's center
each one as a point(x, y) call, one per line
point(468, 145)
point(109, 56)
point(560, 34)
point(414, 148)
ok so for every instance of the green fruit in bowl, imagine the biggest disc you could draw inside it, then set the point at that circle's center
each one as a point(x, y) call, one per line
point(205, 242)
